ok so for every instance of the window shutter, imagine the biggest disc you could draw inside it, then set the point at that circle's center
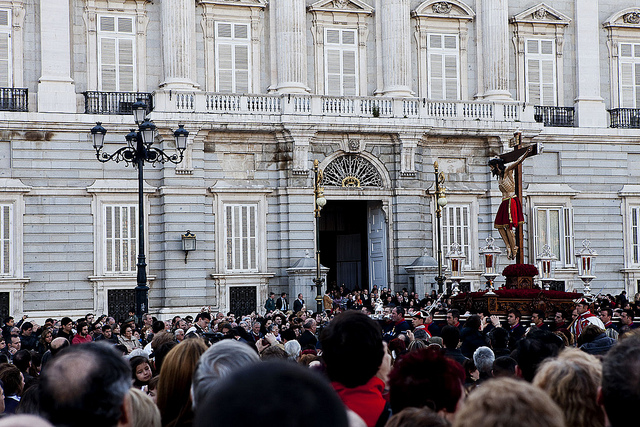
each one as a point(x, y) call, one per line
point(533, 81)
point(125, 63)
point(5, 48)
point(5, 238)
point(341, 62)
point(233, 58)
point(635, 235)
point(444, 67)
point(627, 92)
point(241, 237)
point(568, 236)
point(108, 64)
point(120, 239)
point(540, 63)
point(117, 54)
point(457, 229)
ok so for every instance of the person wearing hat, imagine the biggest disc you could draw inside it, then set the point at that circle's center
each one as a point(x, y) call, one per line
point(419, 318)
point(585, 318)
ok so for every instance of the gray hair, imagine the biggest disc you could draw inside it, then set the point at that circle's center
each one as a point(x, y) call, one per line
point(293, 349)
point(221, 359)
point(483, 358)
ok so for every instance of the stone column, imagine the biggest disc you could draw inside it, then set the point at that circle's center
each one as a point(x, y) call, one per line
point(396, 48)
point(178, 43)
point(56, 89)
point(589, 105)
point(291, 45)
point(494, 25)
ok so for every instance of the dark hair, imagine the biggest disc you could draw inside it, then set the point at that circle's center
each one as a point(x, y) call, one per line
point(106, 328)
point(157, 326)
point(499, 165)
point(426, 377)
point(629, 312)
point(590, 333)
point(540, 313)
point(305, 397)
point(455, 313)
point(473, 322)
point(85, 385)
point(11, 379)
point(22, 359)
point(450, 336)
point(417, 417)
point(288, 334)
point(203, 315)
point(399, 310)
point(26, 325)
point(352, 348)
point(609, 311)
point(535, 347)
point(504, 366)
point(134, 362)
point(8, 319)
point(621, 380)
point(81, 325)
point(30, 401)
point(499, 338)
point(65, 321)
point(515, 312)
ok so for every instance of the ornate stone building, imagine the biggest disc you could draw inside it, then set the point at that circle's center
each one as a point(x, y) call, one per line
point(375, 90)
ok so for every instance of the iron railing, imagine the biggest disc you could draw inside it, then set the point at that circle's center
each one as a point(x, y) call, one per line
point(554, 116)
point(114, 102)
point(625, 118)
point(14, 99)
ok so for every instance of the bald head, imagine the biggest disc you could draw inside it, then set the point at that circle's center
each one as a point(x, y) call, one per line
point(24, 421)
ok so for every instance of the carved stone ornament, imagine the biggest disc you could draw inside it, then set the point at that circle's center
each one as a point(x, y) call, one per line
point(351, 171)
point(442, 7)
point(354, 145)
point(540, 14)
point(631, 18)
point(340, 4)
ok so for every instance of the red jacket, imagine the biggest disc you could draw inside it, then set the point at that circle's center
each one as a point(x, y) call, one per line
point(365, 400)
point(77, 339)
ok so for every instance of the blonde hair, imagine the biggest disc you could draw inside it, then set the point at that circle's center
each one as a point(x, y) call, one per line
point(572, 380)
point(506, 402)
point(143, 413)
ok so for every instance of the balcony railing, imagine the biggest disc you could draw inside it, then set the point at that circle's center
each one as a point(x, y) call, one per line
point(114, 102)
point(554, 116)
point(625, 118)
point(14, 99)
point(342, 106)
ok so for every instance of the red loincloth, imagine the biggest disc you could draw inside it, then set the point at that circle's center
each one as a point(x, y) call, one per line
point(509, 214)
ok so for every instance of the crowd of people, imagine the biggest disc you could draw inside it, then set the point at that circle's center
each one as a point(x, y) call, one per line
point(359, 362)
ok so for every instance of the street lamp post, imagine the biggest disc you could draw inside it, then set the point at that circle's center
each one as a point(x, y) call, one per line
point(319, 202)
point(139, 149)
point(441, 202)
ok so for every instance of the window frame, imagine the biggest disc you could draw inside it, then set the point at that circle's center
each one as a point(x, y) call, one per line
point(243, 240)
point(234, 42)
point(8, 31)
point(119, 37)
point(132, 243)
point(540, 57)
point(342, 48)
point(566, 234)
point(443, 52)
point(7, 257)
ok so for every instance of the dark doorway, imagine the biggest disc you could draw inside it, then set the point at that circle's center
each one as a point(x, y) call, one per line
point(343, 243)
point(242, 300)
point(119, 302)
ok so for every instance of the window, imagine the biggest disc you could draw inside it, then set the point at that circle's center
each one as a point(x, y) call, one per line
point(120, 238)
point(240, 237)
point(341, 62)
point(541, 72)
point(5, 49)
point(456, 228)
point(629, 73)
point(554, 227)
point(444, 66)
point(6, 239)
point(116, 53)
point(635, 234)
point(232, 58)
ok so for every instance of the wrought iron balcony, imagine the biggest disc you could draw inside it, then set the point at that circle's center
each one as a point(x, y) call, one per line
point(14, 99)
point(114, 102)
point(554, 116)
point(625, 118)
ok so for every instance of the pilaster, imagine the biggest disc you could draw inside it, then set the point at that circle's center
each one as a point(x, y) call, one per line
point(396, 48)
point(178, 43)
point(291, 46)
point(494, 61)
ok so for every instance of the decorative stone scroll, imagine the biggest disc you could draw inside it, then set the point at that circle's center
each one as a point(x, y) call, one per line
point(442, 7)
point(632, 18)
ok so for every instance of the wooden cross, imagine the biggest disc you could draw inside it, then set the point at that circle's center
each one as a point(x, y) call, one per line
point(509, 157)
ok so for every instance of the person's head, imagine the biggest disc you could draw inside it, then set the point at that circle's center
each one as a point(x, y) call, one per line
point(426, 378)
point(85, 385)
point(513, 317)
point(410, 417)
point(26, 329)
point(537, 317)
point(293, 350)
point(582, 306)
point(58, 344)
point(535, 347)
point(106, 331)
point(46, 337)
point(83, 329)
point(626, 317)
point(179, 334)
point(8, 321)
point(473, 322)
point(272, 295)
point(572, 380)
point(499, 338)
point(303, 398)
point(22, 360)
point(24, 420)
point(504, 366)
point(450, 337)
point(605, 315)
point(560, 317)
point(352, 348)
point(15, 343)
point(256, 327)
point(621, 381)
point(453, 317)
point(483, 358)
point(127, 331)
point(12, 379)
point(141, 372)
point(144, 413)
point(310, 325)
point(497, 166)
point(67, 324)
point(174, 385)
point(508, 402)
point(203, 319)
point(218, 362)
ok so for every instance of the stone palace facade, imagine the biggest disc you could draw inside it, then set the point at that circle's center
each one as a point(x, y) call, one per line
point(375, 90)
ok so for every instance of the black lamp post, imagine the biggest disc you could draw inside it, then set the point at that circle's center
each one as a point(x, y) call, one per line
point(139, 149)
point(441, 202)
point(319, 202)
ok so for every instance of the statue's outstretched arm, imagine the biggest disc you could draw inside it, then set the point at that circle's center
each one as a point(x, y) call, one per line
point(520, 160)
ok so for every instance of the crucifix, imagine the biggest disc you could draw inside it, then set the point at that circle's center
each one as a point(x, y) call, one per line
point(510, 218)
